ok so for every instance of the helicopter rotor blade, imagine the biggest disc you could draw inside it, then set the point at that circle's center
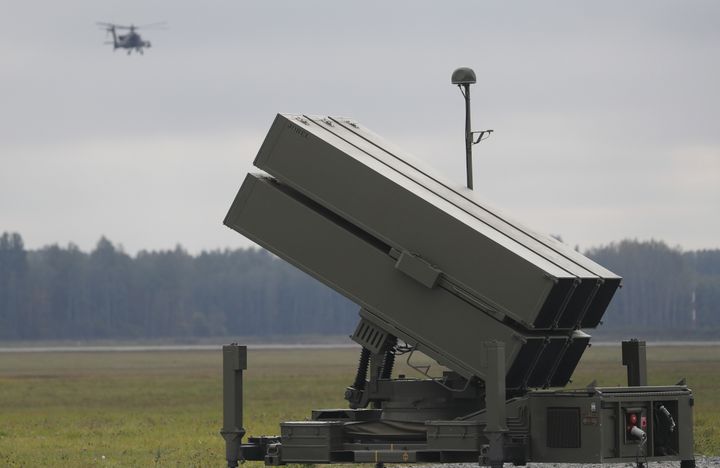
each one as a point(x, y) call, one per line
point(109, 26)
point(158, 25)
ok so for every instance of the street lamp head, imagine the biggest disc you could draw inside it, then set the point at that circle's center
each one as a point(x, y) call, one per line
point(463, 76)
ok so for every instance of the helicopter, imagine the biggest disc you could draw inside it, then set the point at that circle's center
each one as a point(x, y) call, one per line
point(130, 41)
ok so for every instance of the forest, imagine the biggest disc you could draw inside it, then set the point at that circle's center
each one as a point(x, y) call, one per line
point(64, 293)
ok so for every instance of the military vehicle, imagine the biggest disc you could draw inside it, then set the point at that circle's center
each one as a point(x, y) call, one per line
point(132, 40)
point(502, 309)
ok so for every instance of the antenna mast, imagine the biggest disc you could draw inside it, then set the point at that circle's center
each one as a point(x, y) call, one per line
point(463, 78)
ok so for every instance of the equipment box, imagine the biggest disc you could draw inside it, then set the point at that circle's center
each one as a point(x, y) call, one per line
point(310, 441)
point(455, 435)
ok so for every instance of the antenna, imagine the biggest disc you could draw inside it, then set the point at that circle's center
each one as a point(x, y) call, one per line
point(463, 77)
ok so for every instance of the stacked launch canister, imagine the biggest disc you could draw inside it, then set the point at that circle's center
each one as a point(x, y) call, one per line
point(427, 262)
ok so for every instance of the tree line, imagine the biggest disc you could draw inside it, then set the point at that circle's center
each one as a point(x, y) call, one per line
point(665, 290)
point(64, 293)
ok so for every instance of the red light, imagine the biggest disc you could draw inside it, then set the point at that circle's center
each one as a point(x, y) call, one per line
point(643, 422)
point(633, 419)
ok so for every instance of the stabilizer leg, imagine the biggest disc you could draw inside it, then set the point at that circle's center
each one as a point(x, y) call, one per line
point(234, 362)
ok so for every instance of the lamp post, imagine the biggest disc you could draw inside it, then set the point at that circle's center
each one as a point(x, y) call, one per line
point(463, 77)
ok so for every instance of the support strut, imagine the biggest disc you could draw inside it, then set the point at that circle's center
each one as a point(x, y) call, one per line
point(234, 362)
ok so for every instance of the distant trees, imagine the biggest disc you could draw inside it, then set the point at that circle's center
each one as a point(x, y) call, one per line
point(706, 292)
point(663, 289)
point(13, 284)
point(65, 293)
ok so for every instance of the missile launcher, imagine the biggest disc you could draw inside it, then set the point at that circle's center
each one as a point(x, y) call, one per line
point(505, 310)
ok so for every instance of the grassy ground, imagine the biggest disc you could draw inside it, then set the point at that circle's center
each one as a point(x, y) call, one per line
point(164, 408)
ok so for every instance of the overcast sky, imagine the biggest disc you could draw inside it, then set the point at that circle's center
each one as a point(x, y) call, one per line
point(606, 114)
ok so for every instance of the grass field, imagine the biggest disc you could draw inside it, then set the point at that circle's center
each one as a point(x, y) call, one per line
point(164, 408)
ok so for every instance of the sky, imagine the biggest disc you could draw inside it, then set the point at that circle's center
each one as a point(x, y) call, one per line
point(606, 114)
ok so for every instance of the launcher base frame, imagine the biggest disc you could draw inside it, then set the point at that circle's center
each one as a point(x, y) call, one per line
point(587, 425)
